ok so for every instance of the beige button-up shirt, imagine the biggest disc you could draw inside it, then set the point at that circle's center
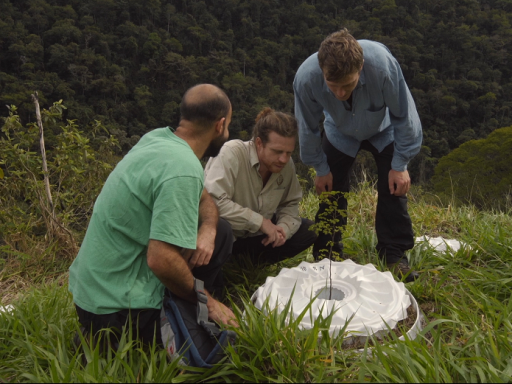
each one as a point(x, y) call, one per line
point(233, 181)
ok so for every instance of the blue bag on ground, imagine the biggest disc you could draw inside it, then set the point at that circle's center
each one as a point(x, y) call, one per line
point(187, 333)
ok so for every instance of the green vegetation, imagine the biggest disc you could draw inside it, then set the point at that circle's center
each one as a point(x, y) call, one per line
point(127, 63)
point(121, 68)
point(479, 171)
point(78, 164)
point(465, 296)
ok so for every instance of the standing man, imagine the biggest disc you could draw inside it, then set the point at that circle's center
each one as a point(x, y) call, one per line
point(358, 86)
point(154, 226)
point(257, 191)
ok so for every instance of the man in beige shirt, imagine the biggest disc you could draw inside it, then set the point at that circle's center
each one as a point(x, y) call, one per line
point(257, 191)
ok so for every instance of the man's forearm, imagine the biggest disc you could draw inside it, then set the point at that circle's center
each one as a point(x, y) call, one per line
point(208, 212)
point(171, 268)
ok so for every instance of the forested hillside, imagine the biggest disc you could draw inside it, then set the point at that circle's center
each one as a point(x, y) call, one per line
point(127, 62)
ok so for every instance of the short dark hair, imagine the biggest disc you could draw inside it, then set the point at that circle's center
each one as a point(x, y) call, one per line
point(204, 107)
point(340, 55)
point(268, 120)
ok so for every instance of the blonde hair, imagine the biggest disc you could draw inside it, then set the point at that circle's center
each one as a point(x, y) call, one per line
point(340, 55)
point(268, 120)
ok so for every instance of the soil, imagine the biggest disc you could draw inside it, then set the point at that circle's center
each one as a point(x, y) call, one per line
point(401, 328)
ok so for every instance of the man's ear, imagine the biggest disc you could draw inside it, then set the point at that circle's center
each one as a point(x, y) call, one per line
point(258, 142)
point(219, 126)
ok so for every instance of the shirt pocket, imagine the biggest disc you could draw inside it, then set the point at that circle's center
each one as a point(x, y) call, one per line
point(374, 119)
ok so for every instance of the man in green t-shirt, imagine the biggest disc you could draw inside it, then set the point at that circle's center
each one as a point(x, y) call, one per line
point(154, 226)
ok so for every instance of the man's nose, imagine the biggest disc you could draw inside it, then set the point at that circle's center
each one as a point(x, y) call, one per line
point(283, 159)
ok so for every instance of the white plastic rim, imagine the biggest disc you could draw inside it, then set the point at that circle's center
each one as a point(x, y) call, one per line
point(7, 308)
point(440, 244)
point(418, 323)
point(373, 299)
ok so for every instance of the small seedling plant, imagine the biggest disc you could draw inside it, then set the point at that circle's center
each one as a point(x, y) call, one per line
point(330, 222)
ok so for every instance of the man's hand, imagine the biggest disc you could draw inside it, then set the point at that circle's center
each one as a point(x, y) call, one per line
point(399, 182)
point(275, 234)
point(281, 239)
point(204, 250)
point(168, 265)
point(219, 313)
point(323, 183)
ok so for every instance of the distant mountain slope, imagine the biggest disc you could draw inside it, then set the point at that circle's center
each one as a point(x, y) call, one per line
point(128, 62)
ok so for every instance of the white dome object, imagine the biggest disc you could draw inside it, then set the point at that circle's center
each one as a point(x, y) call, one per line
point(440, 244)
point(374, 299)
point(7, 308)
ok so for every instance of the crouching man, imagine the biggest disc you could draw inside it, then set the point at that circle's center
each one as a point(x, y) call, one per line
point(154, 226)
point(257, 191)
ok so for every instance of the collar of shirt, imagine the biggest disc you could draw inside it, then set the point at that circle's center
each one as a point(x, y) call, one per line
point(253, 155)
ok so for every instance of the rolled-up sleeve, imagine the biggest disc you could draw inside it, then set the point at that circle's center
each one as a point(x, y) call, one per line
point(403, 116)
point(221, 173)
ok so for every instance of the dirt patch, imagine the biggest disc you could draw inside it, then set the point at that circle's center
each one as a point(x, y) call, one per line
point(401, 328)
point(405, 325)
point(12, 288)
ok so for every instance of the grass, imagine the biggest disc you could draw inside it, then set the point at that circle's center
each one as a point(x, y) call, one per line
point(465, 296)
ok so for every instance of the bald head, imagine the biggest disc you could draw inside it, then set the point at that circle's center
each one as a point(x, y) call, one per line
point(204, 105)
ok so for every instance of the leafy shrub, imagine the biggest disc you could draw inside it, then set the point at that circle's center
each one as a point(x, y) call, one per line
point(479, 171)
point(78, 164)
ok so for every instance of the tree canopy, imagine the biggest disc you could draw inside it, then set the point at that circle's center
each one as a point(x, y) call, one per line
point(128, 62)
point(479, 171)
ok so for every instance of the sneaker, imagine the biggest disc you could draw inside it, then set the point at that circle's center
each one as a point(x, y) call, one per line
point(403, 271)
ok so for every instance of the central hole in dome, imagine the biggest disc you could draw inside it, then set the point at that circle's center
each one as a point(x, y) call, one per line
point(327, 293)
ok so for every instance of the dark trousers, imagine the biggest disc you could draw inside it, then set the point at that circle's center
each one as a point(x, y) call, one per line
point(392, 222)
point(145, 323)
point(259, 253)
point(212, 274)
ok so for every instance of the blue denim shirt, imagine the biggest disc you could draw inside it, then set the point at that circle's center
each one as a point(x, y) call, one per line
point(383, 111)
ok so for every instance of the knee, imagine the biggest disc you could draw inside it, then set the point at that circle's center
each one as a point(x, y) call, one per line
point(306, 232)
point(223, 242)
point(224, 231)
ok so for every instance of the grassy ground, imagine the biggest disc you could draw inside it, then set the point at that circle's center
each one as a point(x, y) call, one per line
point(465, 297)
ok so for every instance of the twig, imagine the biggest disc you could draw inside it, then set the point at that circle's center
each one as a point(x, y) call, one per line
point(52, 222)
point(43, 154)
point(50, 206)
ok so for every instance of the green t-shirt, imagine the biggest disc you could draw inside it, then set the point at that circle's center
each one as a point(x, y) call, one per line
point(153, 193)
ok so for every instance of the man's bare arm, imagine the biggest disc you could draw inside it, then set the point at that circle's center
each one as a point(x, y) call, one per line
point(208, 219)
point(170, 267)
point(208, 212)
